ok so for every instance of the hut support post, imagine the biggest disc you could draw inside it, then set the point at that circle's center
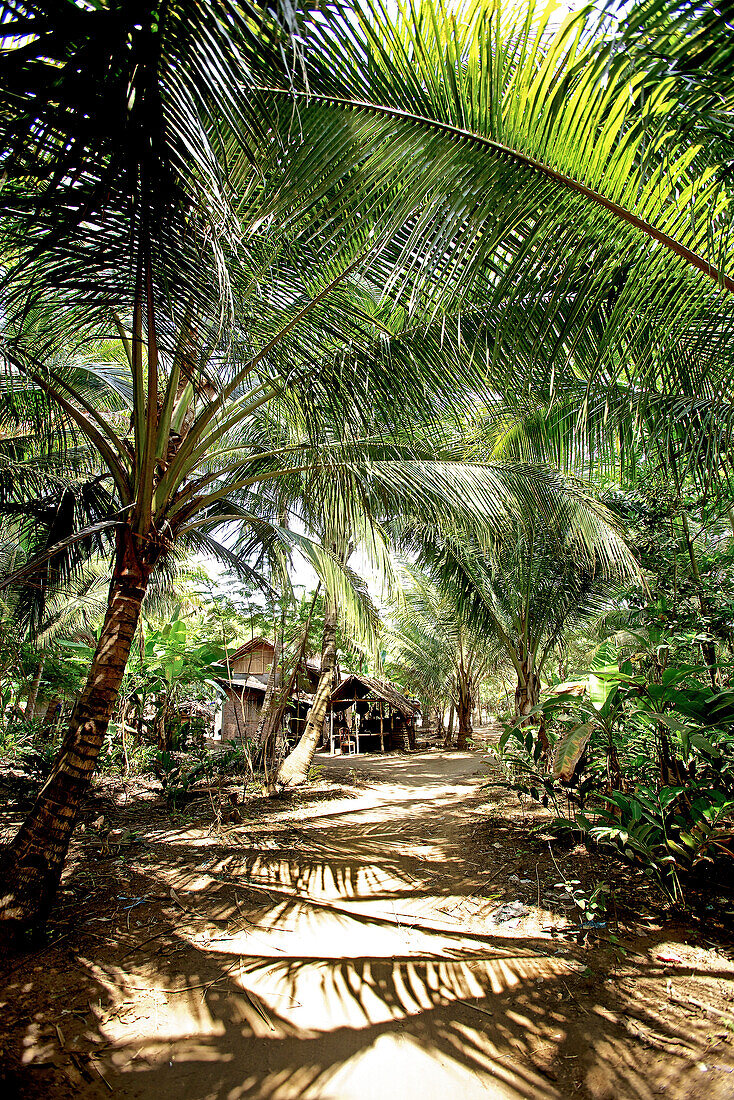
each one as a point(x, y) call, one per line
point(382, 727)
point(356, 721)
point(331, 733)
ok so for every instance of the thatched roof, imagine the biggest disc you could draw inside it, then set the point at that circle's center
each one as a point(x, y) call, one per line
point(363, 686)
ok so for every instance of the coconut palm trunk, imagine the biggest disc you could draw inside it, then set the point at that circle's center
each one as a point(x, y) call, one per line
point(269, 697)
point(449, 735)
point(34, 861)
point(295, 767)
point(527, 697)
point(464, 699)
point(527, 691)
point(272, 718)
point(463, 711)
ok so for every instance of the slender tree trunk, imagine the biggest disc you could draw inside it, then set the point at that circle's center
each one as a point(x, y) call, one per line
point(667, 760)
point(30, 707)
point(269, 690)
point(708, 649)
point(272, 726)
point(274, 719)
point(33, 863)
point(450, 728)
point(51, 718)
point(463, 711)
point(294, 769)
point(162, 728)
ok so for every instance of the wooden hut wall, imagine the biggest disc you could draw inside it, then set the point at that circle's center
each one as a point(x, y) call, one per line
point(240, 714)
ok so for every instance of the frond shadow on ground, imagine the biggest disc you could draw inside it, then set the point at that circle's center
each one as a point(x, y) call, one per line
point(324, 961)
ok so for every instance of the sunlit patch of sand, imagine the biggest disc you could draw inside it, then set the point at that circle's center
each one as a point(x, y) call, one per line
point(396, 1065)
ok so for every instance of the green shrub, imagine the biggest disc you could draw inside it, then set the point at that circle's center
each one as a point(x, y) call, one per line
point(611, 760)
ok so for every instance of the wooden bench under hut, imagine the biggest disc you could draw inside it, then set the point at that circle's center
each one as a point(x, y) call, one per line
point(368, 715)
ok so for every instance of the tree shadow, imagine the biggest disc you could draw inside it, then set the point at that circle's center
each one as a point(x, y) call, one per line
point(508, 1019)
point(323, 960)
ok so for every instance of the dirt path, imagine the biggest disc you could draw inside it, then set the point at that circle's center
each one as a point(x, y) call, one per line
point(363, 946)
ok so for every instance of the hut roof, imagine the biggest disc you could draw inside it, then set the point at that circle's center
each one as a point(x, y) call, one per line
point(253, 644)
point(192, 708)
point(259, 642)
point(243, 681)
point(367, 685)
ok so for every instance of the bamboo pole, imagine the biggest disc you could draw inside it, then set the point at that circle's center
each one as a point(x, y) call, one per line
point(356, 721)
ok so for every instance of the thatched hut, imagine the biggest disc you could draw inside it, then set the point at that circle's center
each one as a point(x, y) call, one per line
point(369, 715)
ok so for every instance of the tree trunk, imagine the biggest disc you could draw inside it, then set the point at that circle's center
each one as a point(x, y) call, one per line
point(708, 648)
point(463, 712)
point(294, 769)
point(450, 728)
point(51, 718)
point(273, 721)
point(272, 716)
point(33, 863)
point(163, 738)
point(527, 697)
point(30, 707)
point(269, 696)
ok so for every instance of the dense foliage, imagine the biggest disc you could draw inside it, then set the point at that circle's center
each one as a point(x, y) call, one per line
point(342, 281)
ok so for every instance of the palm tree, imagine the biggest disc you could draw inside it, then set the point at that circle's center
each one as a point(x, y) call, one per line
point(157, 190)
point(338, 537)
point(211, 452)
point(295, 768)
point(558, 171)
point(204, 454)
point(342, 510)
point(143, 244)
point(440, 655)
point(525, 592)
point(624, 426)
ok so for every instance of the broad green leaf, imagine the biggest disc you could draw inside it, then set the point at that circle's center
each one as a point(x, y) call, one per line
point(669, 794)
point(702, 742)
point(601, 688)
point(569, 749)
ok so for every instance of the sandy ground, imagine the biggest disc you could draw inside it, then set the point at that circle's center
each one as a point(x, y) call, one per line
point(392, 941)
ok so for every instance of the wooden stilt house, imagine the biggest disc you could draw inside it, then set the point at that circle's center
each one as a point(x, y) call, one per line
point(246, 683)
